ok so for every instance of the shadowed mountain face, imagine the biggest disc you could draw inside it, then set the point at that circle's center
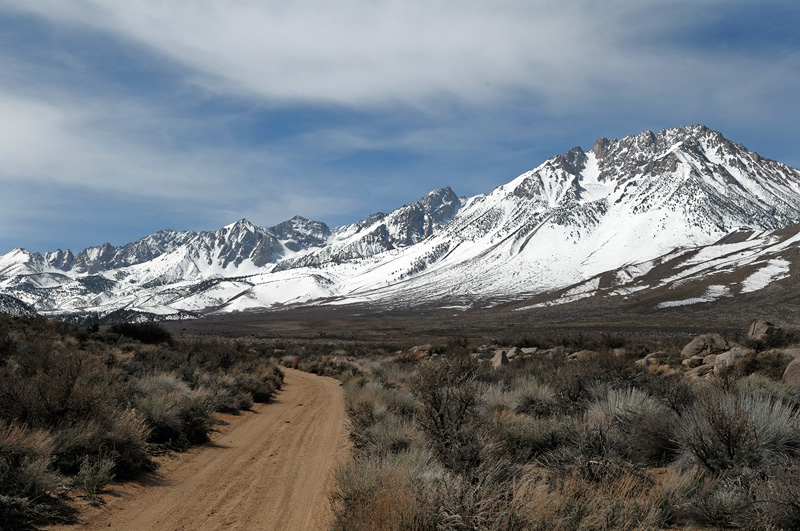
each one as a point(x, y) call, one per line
point(594, 222)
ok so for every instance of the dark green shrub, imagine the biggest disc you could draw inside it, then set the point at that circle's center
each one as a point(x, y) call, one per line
point(148, 333)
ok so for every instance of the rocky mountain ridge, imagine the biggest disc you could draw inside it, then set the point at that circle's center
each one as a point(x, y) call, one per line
point(615, 208)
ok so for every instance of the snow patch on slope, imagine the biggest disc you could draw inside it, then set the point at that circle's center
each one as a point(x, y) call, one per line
point(774, 270)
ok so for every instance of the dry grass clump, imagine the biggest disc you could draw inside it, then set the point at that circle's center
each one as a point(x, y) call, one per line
point(628, 502)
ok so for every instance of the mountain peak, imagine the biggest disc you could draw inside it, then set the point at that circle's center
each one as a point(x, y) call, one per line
point(573, 217)
point(242, 224)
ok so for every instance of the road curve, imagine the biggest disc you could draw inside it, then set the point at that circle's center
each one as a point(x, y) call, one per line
point(269, 469)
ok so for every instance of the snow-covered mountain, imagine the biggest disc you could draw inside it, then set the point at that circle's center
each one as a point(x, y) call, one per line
point(619, 207)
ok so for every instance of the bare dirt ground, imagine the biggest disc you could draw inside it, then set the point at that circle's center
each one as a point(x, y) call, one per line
point(268, 469)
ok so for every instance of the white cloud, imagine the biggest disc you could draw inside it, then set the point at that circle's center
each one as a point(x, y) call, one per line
point(363, 53)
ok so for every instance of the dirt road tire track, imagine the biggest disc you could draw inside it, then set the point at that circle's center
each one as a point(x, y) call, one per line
point(269, 469)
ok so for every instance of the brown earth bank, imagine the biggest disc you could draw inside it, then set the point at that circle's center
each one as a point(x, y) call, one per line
point(270, 468)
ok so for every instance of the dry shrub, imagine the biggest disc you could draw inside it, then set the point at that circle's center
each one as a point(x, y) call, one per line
point(671, 389)
point(725, 430)
point(94, 474)
point(259, 378)
point(224, 395)
point(331, 367)
point(521, 439)
point(26, 480)
point(771, 364)
point(44, 386)
point(575, 380)
point(374, 428)
point(402, 493)
point(148, 333)
point(121, 438)
point(553, 504)
point(449, 415)
point(640, 427)
point(533, 398)
point(176, 415)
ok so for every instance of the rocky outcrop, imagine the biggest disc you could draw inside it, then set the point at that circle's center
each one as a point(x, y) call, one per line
point(762, 330)
point(728, 358)
point(703, 345)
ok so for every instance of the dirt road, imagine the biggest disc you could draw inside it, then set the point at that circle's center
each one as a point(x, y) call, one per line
point(268, 469)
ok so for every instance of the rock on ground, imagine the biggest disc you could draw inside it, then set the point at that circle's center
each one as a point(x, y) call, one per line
point(704, 345)
point(761, 330)
point(499, 359)
point(791, 376)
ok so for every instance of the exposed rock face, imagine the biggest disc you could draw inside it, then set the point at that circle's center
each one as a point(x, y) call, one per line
point(300, 233)
point(499, 359)
point(761, 330)
point(704, 345)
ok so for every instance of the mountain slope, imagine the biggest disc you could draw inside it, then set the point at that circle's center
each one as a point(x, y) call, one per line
point(620, 207)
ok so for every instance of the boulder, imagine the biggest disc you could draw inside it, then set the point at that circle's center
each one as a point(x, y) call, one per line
point(661, 369)
point(791, 376)
point(710, 359)
point(703, 345)
point(619, 352)
point(513, 353)
point(529, 350)
point(553, 352)
point(761, 330)
point(700, 371)
point(694, 361)
point(728, 358)
point(582, 355)
point(792, 352)
point(499, 359)
point(649, 360)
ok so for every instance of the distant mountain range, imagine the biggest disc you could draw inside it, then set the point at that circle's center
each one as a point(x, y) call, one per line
point(659, 211)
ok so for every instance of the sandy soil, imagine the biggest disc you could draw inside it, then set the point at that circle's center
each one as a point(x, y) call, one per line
point(268, 469)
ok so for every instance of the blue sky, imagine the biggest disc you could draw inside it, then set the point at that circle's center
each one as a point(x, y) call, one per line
point(118, 119)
